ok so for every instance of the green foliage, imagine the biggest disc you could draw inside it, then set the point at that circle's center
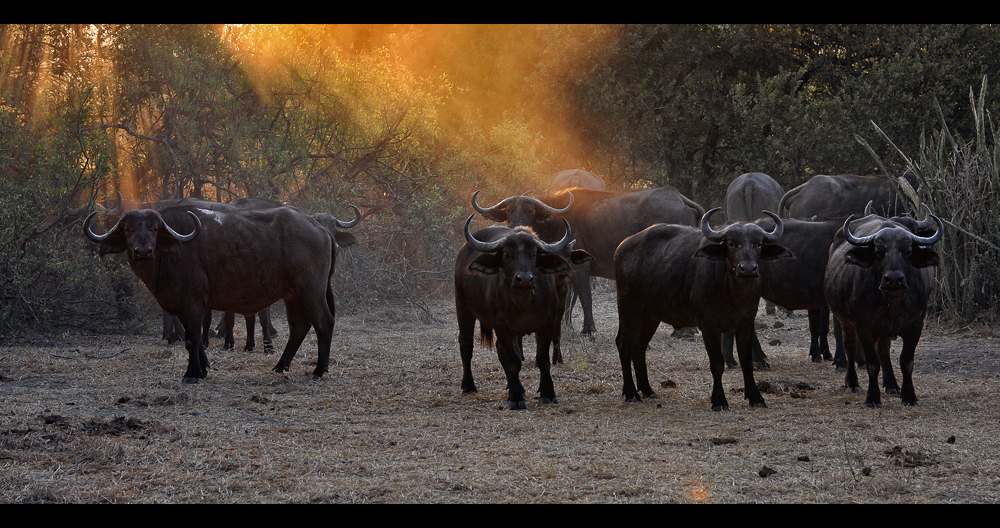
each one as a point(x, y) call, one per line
point(960, 182)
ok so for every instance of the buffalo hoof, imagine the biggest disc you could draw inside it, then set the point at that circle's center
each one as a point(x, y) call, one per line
point(469, 391)
point(761, 366)
point(759, 405)
point(633, 399)
point(546, 401)
point(316, 377)
point(268, 349)
point(892, 391)
point(872, 405)
point(189, 380)
point(228, 346)
point(853, 390)
point(732, 365)
point(913, 403)
point(719, 408)
point(248, 348)
point(516, 405)
point(280, 368)
point(817, 359)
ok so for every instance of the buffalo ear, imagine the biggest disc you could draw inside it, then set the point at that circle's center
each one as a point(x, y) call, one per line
point(488, 263)
point(579, 256)
point(498, 215)
point(712, 252)
point(550, 263)
point(923, 257)
point(344, 239)
point(861, 256)
point(775, 252)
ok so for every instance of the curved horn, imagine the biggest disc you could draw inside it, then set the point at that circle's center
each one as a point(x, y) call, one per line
point(706, 229)
point(553, 210)
point(556, 247)
point(927, 221)
point(775, 233)
point(478, 245)
point(926, 241)
point(94, 236)
point(855, 241)
point(345, 225)
point(188, 237)
point(487, 211)
point(868, 208)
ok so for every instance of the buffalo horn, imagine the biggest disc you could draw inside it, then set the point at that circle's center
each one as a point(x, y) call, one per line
point(556, 247)
point(486, 211)
point(484, 247)
point(188, 237)
point(94, 236)
point(868, 208)
point(853, 240)
point(345, 225)
point(926, 222)
point(926, 241)
point(775, 233)
point(706, 229)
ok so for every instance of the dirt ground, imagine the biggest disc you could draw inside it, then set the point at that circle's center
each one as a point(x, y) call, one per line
point(106, 419)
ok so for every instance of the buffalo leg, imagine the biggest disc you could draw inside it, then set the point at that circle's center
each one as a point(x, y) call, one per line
point(265, 330)
point(908, 394)
point(759, 357)
point(225, 329)
point(546, 388)
point(173, 330)
point(840, 359)
point(634, 334)
point(466, 335)
point(298, 327)
point(869, 346)
point(581, 286)
point(746, 339)
point(323, 318)
point(249, 321)
point(197, 359)
point(510, 360)
point(819, 327)
point(889, 383)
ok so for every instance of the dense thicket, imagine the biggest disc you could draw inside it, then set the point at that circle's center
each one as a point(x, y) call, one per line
point(407, 121)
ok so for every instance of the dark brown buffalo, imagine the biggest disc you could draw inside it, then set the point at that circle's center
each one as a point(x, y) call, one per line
point(284, 255)
point(689, 277)
point(571, 178)
point(600, 220)
point(796, 283)
point(825, 197)
point(514, 284)
point(750, 194)
point(877, 282)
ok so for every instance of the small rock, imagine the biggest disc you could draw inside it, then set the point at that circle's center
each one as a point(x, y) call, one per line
point(774, 342)
point(951, 439)
point(804, 458)
point(779, 324)
point(766, 472)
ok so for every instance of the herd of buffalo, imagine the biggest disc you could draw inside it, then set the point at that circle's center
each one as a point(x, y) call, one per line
point(835, 244)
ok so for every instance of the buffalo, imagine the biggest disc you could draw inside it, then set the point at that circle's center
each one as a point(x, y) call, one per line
point(690, 277)
point(797, 283)
point(328, 221)
point(750, 194)
point(825, 197)
point(876, 284)
point(283, 254)
point(571, 178)
point(514, 284)
point(601, 220)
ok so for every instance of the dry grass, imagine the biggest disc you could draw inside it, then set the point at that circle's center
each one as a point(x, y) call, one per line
point(106, 419)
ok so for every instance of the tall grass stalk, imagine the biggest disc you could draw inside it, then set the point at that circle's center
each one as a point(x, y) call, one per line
point(959, 181)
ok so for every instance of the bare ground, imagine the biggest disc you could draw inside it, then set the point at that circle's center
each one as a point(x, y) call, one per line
point(106, 419)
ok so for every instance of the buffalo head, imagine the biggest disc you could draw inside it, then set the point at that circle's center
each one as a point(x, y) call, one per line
point(520, 254)
point(520, 210)
point(742, 246)
point(137, 233)
point(893, 249)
